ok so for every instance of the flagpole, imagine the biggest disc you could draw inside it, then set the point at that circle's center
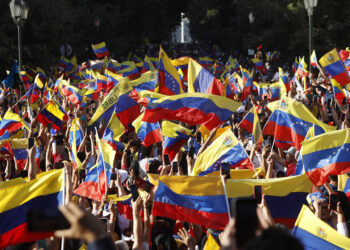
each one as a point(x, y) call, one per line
point(226, 199)
point(64, 200)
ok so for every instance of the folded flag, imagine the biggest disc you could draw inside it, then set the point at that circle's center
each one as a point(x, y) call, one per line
point(11, 122)
point(149, 133)
point(334, 66)
point(317, 234)
point(46, 191)
point(54, 114)
point(175, 136)
point(251, 123)
point(199, 200)
point(326, 154)
point(225, 149)
point(100, 49)
point(290, 122)
point(195, 108)
point(201, 80)
point(284, 196)
point(169, 79)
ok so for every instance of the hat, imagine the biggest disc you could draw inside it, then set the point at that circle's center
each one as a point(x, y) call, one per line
point(291, 151)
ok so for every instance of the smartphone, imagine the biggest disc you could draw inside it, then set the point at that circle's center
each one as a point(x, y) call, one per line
point(31, 142)
point(113, 176)
point(175, 167)
point(134, 192)
point(166, 159)
point(258, 194)
point(333, 200)
point(47, 220)
point(191, 152)
point(243, 209)
point(199, 137)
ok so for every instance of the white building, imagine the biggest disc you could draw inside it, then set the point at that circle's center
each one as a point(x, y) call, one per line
point(182, 31)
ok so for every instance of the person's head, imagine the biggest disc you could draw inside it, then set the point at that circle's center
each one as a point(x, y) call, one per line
point(81, 156)
point(148, 152)
point(153, 166)
point(134, 169)
point(333, 179)
point(134, 146)
point(290, 154)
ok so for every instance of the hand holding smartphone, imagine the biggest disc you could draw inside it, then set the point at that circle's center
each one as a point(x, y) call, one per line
point(258, 194)
point(166, 160)
point(333, 201)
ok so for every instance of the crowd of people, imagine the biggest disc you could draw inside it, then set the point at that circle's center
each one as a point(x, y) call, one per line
point(101, 224)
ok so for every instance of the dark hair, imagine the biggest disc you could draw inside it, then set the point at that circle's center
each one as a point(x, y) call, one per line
point(146, 152)
point(153, 166)
point(135, 167)
point(333, 177)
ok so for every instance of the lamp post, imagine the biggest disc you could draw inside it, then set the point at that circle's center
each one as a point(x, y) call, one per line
point(19, 12)
point(309, 6)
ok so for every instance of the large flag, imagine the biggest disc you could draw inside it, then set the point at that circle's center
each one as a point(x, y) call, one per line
point(251, 123)
point(169, 79)
point(54, 114)
point(11, 122)
point(118, 99)
point(200, 200)
point(147, 81)
point(334, 66)
point(98, 176)
point(317, 234)
point(149, 133)
point(326, 154)
point(225, 149)
point(46, 191)
point(100, 49)
point(175, 136)
point(195, 108)
point(284, 196)
point(290, 122)
point(201, 80)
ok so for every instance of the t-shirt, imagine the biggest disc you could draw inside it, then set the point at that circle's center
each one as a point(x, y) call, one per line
point(290, 168)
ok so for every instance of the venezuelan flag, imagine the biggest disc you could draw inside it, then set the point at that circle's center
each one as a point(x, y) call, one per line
point(98, 176)
point(123, 204)
point(317, 234)
point(131, 72)
point(52, 113)
point(19, 149)
point(74, 94)
point(200, 200)
point(149, 133)
point(46, 191)
point(196, 108)
point(100, 49)
point(252, 125)
point(75, 139)
point(338, 91)
point(326, 154)
point(113, 132)
point(334, 66)
point(169, 79)
point(302, 68)
point(182, 63)
point(295, 65)
point(175, 136)
point(11, 122)
point(101, 81)
point(206, 62)
point(206, 132)
point(234, 64)
point(247, 78)
point(229, 88)
point(283, 79)
point(275, 90)
point(201, 80)
point(211, 243)
point(112, 79)
point(258, 64)
point(225, 149)
point(113, 66)
point(313, 59)
point(290, 122)
point(147, 81)
point(284, 196)
point(147, 65)
point(345, 57)
point(118, 99)
point(344, 184)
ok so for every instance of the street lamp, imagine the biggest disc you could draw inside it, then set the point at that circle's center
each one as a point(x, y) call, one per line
point(19, 12)
point(309, 6)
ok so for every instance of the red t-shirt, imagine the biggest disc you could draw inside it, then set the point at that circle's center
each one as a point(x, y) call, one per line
point(290, 168)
